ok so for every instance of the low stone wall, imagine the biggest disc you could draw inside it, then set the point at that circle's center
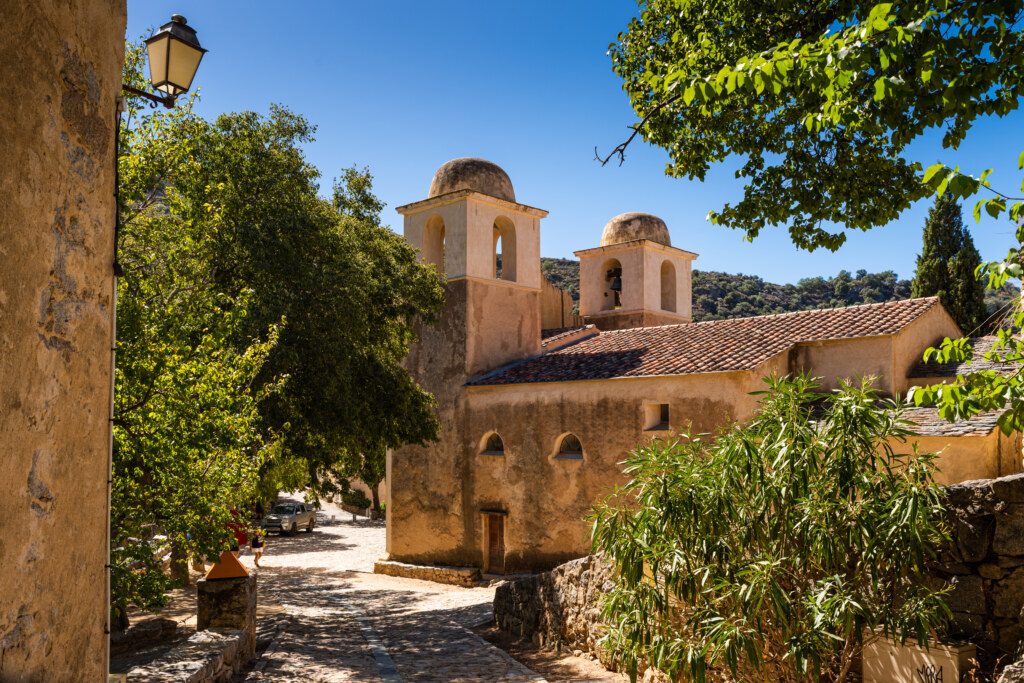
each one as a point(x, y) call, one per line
point(558, 609)
point(225, 639)
point(362, 512)
point(466, 577)
point(210, 656)
point(986, 564)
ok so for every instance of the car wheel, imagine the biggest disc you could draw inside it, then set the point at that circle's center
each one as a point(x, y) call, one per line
point(295, 528)
point(309, 527)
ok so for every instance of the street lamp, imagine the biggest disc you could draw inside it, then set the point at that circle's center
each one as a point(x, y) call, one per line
point(174, 56)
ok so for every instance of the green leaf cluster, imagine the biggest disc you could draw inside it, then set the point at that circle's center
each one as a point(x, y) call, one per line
point(777, 549)
point(818, 101)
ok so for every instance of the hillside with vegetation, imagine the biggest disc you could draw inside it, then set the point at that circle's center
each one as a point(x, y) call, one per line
point(726, 295)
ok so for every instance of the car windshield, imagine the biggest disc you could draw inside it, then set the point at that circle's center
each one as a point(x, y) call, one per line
point(284, 509)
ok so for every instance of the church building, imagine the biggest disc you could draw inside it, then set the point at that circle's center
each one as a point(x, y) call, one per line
point(537, 413)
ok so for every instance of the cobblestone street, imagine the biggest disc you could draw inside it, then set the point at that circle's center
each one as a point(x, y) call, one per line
point(341, 622)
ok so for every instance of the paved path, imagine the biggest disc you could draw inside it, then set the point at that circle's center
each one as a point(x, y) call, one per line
point(344, 623)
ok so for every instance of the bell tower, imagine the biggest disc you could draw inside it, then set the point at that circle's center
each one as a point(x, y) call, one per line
point(636, 278)
point(472, 229)
point(488, 247)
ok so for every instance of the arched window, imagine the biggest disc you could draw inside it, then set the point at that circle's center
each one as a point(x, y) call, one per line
point(504, 249)
point(492, 445)
point(612, 274)
point(433, 242)
point(569, 448)
point(668, 286)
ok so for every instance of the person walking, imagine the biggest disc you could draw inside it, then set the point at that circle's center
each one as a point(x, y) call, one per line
point(258, 542)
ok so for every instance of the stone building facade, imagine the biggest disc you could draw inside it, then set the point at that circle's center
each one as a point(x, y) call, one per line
point(61, 64)
point(535, 422)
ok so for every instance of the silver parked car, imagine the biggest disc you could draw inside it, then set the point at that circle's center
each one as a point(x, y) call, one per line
point(288, 518)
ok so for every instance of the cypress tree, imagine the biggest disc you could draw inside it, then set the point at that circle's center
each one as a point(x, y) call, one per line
point(946, 265)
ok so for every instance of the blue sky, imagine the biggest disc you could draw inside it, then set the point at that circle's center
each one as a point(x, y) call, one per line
point(403, 86)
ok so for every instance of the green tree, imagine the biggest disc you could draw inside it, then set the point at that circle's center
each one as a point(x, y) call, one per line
point(947, 264)
point(189, 441)
point(821, 101)
point(776, 548)
point(348, 288)
point(818, 100)
point(261, 330)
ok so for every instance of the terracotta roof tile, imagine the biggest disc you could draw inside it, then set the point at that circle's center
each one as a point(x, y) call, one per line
point(712, 346)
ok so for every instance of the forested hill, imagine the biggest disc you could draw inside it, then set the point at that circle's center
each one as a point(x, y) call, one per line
point(724, 295)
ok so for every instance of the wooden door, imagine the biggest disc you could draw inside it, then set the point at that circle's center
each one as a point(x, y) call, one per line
point(495, 544)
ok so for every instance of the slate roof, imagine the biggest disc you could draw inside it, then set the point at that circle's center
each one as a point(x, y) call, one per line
point(981, 346)
point(712, 346)
point(927, 422)
point(926, 419)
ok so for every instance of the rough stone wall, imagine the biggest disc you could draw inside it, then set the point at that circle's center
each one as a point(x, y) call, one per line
point(61, 67)
point(986, 564)
point(559, 609)
point(229, 604)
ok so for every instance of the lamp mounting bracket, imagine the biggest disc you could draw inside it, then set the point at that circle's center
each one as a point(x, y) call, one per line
point(154, 100)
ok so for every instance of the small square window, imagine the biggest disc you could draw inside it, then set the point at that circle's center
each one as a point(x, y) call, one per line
point(656, 417)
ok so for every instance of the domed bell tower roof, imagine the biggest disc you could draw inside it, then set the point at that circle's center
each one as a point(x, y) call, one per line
point(469, 173)
point(627, 227)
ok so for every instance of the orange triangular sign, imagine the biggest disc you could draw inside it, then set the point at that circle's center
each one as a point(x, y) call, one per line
point(227, 567)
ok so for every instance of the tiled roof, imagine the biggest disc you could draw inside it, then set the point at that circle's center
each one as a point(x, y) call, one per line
point(981, 346)
point(556, 333)
point(713, 346)
point(927, 422)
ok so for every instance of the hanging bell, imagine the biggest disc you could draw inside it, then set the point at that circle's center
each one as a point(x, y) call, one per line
point(616, 285)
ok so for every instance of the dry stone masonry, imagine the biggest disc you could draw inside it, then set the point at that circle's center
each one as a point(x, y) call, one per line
point(558, 609)
point(986, 564)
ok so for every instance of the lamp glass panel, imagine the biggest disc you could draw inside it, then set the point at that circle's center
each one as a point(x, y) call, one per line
point(158, 60)
point(182, 66)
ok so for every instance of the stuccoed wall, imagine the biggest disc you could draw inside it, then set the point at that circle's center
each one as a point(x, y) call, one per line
point(61, 66)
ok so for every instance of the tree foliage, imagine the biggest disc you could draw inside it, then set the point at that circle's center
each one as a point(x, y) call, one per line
point(347, 288)
point(261, 329)
point(189, 441)
point(353, 195)
point(818, 100)
point(775, 548)
point(947, 264)
point(821, 101)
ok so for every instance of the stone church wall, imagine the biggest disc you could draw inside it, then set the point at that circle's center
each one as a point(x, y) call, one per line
point(556, 307)
point(61, 63)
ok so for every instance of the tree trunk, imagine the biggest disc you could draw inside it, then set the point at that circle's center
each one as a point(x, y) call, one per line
point(179, 565)
point(376, 496)
point(119, 618)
